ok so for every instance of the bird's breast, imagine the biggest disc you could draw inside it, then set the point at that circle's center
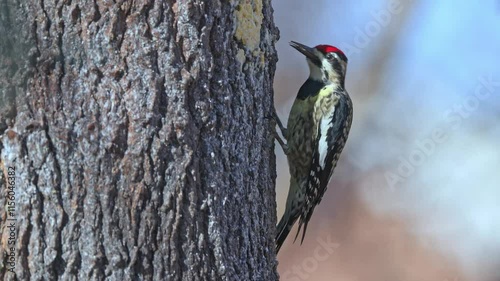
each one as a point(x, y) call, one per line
point(300, 137)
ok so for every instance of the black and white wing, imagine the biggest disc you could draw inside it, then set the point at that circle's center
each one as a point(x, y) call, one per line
point(333, 130)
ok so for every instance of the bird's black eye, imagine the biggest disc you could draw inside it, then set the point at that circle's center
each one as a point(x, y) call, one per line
point(329, 56)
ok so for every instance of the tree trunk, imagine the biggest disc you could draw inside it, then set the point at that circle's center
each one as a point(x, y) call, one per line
point(134, 140)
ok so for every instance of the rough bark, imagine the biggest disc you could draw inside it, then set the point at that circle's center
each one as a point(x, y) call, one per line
point(138, 131)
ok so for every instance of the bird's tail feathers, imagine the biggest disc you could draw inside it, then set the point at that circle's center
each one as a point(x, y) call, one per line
point(284, 227)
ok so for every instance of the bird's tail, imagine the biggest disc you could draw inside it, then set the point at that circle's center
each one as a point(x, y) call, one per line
point(284, 227)
point(289, 217)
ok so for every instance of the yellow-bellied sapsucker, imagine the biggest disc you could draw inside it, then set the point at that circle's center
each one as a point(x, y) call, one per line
point(316, 133)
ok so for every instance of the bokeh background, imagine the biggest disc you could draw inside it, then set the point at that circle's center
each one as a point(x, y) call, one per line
point(416, 194)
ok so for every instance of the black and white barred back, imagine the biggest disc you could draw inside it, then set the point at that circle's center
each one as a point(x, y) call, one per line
point(332, 132)
point(313, 167)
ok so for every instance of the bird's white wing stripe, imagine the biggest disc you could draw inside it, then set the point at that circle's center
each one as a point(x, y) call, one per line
point(323, 144)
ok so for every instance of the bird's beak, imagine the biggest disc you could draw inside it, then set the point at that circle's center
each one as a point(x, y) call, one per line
point(307, 51)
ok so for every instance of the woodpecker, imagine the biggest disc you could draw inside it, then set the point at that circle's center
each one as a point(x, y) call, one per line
point(317, 130)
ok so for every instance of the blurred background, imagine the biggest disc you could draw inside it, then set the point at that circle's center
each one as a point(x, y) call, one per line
point(416, 193)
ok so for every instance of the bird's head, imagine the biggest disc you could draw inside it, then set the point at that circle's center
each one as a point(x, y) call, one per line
point(326, 63)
